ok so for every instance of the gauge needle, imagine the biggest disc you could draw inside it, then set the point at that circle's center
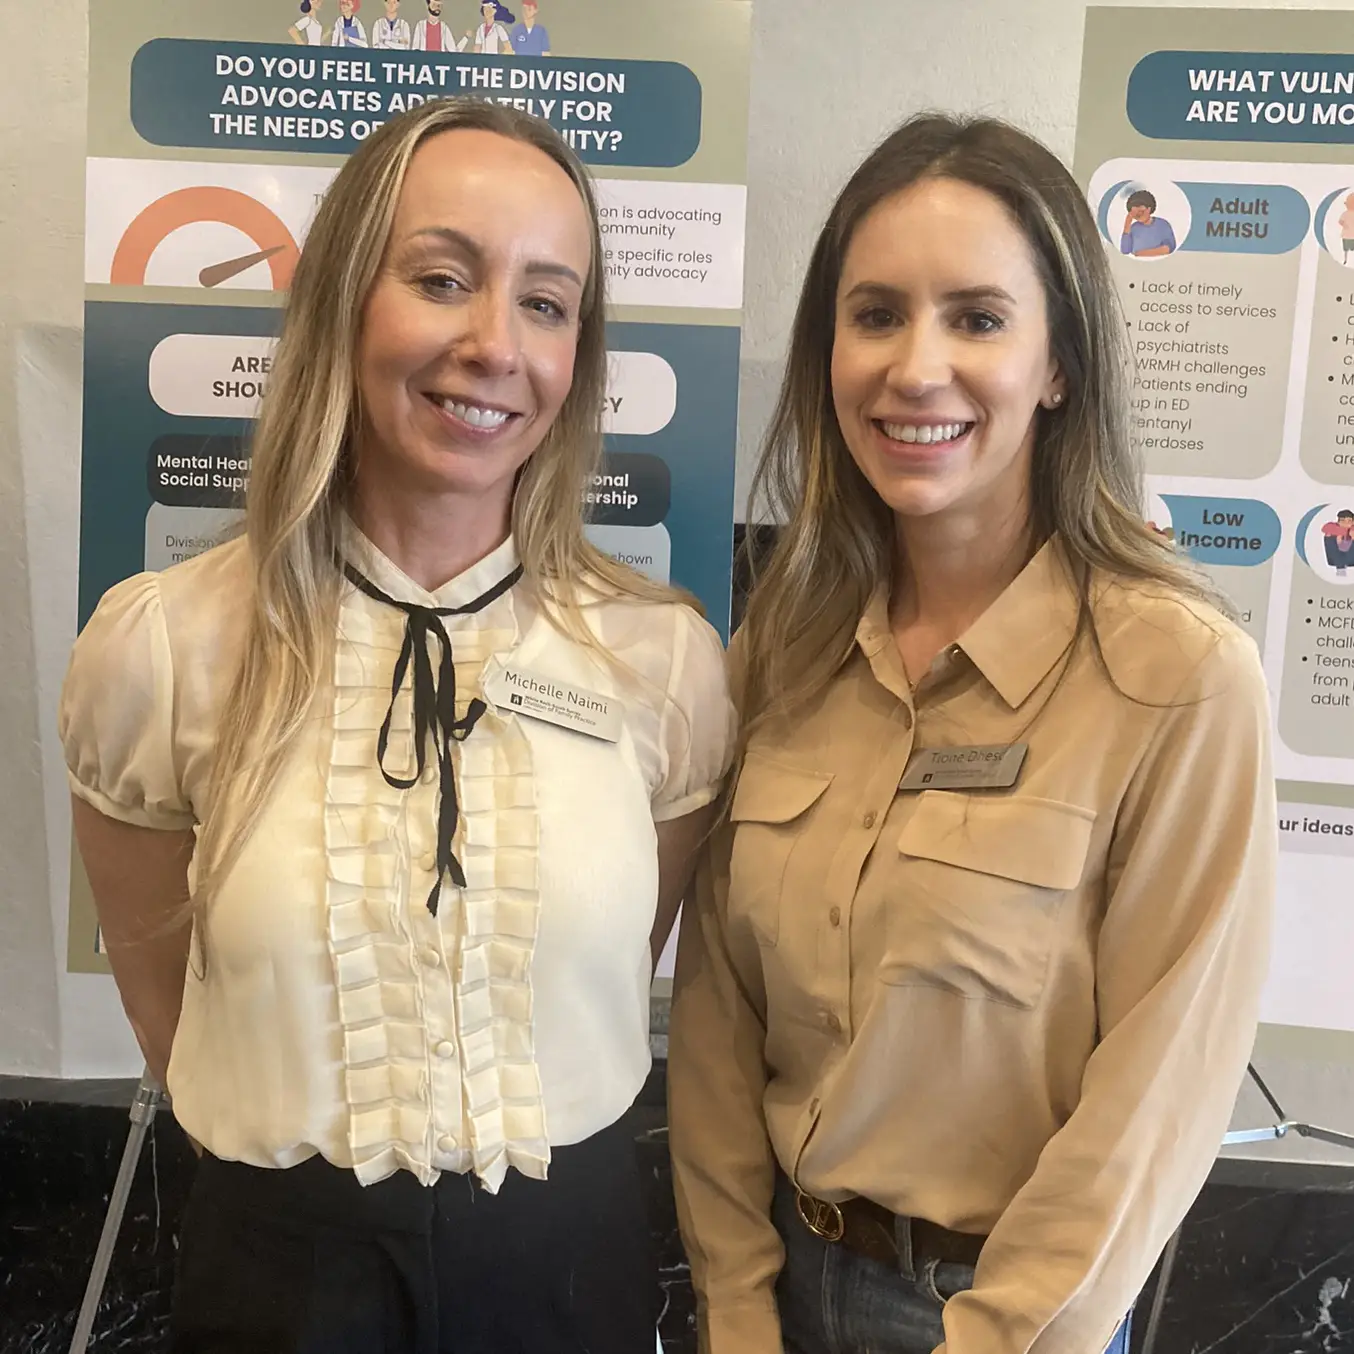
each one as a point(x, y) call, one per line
point(219, 272)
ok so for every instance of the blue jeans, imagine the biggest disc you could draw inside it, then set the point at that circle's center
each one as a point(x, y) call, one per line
point(833, 1301)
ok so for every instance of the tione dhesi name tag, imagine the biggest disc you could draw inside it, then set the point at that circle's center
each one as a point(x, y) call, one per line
point(994, 767)
point(515, 691)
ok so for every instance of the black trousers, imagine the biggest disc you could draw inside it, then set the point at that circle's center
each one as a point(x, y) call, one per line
point(307, 1261)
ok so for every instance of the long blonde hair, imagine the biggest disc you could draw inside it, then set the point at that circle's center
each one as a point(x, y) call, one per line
point(837, 542)
point(302, 467)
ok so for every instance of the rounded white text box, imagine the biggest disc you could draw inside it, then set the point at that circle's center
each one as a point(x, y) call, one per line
point(641, 393)
point(210, 375)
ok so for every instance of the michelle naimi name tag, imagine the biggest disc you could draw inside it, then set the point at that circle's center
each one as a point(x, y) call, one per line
point(554, 702)
point(994, 767)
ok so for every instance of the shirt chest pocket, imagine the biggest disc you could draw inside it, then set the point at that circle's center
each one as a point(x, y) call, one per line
point(979, 888)
point(772, 814)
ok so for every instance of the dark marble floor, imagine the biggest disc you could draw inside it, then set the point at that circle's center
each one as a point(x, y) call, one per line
point(1265, 1266)
point(57, 1167)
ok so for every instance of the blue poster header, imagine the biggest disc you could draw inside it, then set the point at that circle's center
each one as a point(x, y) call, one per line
point(1244, 96)
point(327, 100)
point(1224, 218)
point(1224, 530)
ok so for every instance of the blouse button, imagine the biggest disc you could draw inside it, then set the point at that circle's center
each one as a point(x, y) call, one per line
point(447, 1143)
point(430, 957)
point(869, 819)
point(446, 1049)
point(835, 916)
point(831, 1022)
point(429, 773)
point(427, 861)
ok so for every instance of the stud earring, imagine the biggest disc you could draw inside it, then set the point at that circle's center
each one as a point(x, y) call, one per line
point(1057, 398)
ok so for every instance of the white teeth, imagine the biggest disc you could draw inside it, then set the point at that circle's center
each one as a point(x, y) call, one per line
point(475, 416)
point(923, 433)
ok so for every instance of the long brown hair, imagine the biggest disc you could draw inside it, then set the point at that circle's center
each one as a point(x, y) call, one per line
point(302, 465)
point(837, 542)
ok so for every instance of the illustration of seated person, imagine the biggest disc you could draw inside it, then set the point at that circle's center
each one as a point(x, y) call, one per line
point(1339, 536)
point(1146, 235)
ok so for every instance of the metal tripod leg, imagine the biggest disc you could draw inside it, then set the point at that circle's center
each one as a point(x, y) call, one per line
point(1159, 1297)
point(144, 1104)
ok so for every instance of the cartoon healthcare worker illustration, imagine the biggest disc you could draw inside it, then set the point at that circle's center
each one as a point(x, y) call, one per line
point(432, 35)
point(390, 32)
point(348, 31)
point(1146, 235)
point(530, 38)
point(307, 31)
point(491, 36)
point(1339, 536)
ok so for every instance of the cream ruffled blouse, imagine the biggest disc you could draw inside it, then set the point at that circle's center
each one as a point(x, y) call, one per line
point(337, 1013)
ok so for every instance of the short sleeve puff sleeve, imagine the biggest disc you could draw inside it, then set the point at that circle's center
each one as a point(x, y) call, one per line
point(116, 718)
point(697, 725)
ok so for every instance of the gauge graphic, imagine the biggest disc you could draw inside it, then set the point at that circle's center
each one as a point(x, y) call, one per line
point(213, 204)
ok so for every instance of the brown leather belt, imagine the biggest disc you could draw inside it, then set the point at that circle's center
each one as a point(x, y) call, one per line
point(869, 1229)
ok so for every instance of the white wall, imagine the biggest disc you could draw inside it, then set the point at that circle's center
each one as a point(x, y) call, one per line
point(825, 86)
point(42, 114)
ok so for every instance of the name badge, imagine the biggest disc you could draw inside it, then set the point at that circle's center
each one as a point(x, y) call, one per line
point(994, 767)
point(554, 702)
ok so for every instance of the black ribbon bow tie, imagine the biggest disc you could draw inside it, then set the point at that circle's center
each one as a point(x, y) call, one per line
point(434, 714)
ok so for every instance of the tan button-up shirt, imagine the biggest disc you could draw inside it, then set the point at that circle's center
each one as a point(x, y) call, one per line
point(1021, 1012)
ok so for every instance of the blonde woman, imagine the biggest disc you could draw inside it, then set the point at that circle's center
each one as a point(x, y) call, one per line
point(414, 1012)
point(974, 969)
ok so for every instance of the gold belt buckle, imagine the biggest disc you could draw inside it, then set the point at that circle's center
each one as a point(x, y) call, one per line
point(823, 1219)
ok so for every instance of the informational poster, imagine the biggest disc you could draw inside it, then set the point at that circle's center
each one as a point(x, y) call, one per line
point(1217, 150)
point(214, 133)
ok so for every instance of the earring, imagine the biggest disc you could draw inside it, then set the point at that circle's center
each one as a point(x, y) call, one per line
point(1056, 398)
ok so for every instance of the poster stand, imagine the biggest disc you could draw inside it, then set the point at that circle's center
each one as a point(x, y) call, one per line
point(142, 1114)
point(1281, 1128)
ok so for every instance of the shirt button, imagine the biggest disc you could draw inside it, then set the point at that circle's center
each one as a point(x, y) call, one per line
point(446, 1049)
point(814, 1104)
point(835, 916)
point(447, 1143)
point(430, 957)
point(429, 773)
point(428, 860)
point(868, 820)
point(831, 1022)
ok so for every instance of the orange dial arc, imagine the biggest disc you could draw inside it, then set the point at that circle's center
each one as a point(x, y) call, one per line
point(205, 203)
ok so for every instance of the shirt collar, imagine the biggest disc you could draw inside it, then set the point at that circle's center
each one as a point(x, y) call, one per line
point(1017, 640)
point(359, 551)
